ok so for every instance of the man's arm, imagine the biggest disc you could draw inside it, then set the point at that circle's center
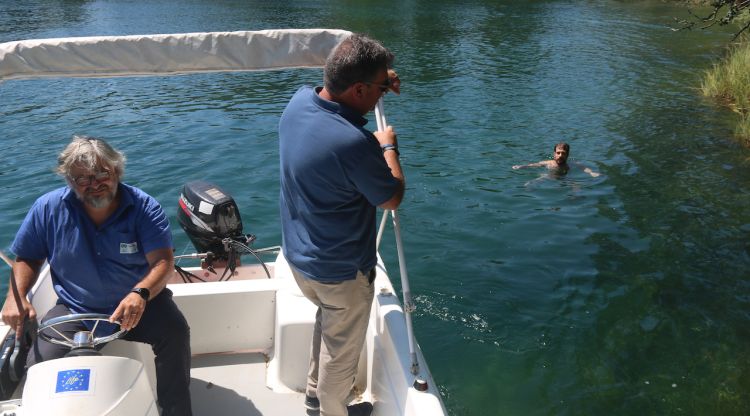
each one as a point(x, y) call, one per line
point(25, 273)
point(531, 165)
point(130, 310)
point(588, 170)
point(591, 172)
point(391, 157)
point(388, 137)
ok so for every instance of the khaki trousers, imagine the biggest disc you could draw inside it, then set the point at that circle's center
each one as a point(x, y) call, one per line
point(338, 337)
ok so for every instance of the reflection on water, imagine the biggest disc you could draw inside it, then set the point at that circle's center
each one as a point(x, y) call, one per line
point(537, 294)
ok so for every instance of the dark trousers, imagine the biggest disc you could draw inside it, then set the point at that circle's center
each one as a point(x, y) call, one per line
point(163, 327)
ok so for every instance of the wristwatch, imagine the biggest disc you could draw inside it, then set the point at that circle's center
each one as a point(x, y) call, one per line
point(393, 147)
point(143, 292)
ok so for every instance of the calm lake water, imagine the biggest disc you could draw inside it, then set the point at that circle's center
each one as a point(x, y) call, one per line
point(623, 294)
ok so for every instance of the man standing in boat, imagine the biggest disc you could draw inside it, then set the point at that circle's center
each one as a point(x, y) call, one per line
point(334, 173)
point(109, 247)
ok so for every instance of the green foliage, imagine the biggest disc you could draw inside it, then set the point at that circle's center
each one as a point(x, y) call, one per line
point(743, 128)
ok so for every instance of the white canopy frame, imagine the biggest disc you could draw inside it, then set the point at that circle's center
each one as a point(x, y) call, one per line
point(167, 54)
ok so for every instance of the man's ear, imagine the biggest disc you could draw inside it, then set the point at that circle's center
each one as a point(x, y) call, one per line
point(358, 89)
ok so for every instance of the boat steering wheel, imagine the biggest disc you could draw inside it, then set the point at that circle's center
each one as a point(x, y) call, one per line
point(81, 338)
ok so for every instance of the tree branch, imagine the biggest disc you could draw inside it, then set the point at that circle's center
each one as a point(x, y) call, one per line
point(729, 10)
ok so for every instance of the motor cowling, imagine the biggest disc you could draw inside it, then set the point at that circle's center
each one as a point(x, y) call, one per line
point(209, 215)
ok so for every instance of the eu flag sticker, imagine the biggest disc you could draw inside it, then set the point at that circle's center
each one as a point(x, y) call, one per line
point(73, 380)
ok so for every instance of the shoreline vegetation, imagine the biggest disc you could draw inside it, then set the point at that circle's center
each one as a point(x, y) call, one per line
point(728, 81)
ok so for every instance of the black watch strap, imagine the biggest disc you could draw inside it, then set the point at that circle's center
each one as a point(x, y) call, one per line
point(143, 292)
point(393, 147)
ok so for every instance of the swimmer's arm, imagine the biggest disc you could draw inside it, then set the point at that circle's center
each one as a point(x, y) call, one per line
point(588, 170)
point(591, 172)
point(531, 165)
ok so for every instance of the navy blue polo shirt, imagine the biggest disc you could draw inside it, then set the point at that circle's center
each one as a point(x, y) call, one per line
point(93, 268)
point(333, 176)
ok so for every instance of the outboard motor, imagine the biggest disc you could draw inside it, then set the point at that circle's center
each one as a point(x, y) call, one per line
point(211, 220)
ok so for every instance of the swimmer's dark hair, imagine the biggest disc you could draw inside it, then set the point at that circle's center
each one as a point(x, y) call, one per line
point(564, 145)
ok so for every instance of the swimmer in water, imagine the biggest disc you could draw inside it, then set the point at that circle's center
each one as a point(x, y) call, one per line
point(559, 163)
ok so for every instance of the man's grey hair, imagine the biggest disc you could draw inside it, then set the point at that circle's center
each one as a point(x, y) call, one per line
point(89, 153)
point(356, 59)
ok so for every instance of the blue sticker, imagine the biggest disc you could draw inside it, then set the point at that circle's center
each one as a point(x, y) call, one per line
point(73, 380)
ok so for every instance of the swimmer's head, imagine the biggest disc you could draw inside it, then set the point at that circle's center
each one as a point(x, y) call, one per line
point(561, 152)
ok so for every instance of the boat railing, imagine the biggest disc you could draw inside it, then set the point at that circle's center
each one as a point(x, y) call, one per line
point(408, 304)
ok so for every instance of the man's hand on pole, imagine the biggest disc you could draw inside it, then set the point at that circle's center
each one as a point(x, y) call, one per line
point(395, 82)
point(17, 308)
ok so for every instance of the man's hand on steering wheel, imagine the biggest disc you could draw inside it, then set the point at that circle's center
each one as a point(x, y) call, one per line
point(129, 311)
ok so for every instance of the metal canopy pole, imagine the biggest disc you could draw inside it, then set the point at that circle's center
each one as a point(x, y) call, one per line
point(408, 304)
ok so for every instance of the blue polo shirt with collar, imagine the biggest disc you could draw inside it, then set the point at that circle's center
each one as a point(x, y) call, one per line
point(93, 268)
point(333, 176)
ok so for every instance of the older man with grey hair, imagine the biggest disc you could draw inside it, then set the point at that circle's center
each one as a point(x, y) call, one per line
point(109, 248)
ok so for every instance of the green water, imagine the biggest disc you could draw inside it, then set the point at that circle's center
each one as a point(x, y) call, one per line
point(622, 294)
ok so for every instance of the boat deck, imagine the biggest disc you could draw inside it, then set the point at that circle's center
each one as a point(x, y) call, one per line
point(234, 384)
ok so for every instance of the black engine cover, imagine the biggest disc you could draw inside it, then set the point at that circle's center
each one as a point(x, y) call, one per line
point(208, 214)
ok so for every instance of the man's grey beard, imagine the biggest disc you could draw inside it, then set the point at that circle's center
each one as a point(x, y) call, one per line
point(98, 201)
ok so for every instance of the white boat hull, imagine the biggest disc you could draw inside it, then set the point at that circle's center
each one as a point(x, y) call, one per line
point(251, 336)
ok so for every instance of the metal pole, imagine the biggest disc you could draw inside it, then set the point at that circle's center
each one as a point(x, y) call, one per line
point(408, 304)
point(381, 228)
point(6, 259)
